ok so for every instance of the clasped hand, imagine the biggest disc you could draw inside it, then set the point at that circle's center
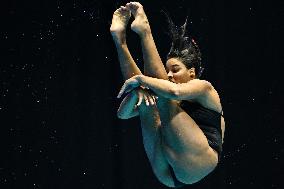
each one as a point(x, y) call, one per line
point(149, 98)
point(129, 85)
point(141, 91)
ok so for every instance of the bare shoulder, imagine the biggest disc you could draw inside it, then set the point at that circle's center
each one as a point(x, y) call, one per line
point(200, 85)
point(200, 82)
point(211, 98)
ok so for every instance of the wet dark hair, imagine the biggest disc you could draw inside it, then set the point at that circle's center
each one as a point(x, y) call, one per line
point(183, 47)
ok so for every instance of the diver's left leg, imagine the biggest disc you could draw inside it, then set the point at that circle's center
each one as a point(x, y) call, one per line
point(153, 65)
point(185, 146)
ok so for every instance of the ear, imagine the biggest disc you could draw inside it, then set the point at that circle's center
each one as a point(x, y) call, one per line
point(191, 72)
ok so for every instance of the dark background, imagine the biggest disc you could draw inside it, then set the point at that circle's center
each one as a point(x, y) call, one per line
point(60, 75)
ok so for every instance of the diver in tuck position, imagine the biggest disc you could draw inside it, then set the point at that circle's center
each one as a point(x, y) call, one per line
point(181, 120)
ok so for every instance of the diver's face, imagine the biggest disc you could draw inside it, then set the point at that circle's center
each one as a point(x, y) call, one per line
point(177, 71)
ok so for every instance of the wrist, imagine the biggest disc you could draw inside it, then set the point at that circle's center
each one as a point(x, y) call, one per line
point(139, 78)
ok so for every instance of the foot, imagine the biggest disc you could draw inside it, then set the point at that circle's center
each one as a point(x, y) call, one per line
point(140, 25)
point(119, 22)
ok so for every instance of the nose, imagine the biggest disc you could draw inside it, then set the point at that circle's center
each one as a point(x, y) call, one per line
point(170, 74)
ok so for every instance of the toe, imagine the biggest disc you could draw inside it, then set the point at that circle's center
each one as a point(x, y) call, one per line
point(137, 4)
point(133, 5)
point(125, 9)
point(118, 11)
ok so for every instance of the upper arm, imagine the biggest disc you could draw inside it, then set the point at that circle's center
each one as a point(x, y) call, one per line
point(192, 89)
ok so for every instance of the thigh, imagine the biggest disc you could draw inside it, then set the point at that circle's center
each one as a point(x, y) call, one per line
point(180, 132)
point(150, 126)
point(186, 147)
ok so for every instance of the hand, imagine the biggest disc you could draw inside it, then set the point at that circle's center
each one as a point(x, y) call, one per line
point(129, 85)
point(150, 99)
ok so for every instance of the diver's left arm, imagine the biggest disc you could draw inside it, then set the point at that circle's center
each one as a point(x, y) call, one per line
point(183, 91)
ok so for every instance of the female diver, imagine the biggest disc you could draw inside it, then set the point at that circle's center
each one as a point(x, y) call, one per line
point(181, 120)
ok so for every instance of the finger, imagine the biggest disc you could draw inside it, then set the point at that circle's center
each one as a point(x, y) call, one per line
point(140, 99)
point(121, 91)
point(130, 88)
point(146, 100)
point(154, 99)
point(151, 100)
point(126, 88)
point(127, 5)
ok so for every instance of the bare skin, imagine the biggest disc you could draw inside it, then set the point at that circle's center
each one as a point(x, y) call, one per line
point(153, 65)
point(171, 137)
point(119, 22)
point(141, 24)
point(150, 125)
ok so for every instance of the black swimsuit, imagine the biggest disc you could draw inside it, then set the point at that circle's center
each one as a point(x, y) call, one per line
point(209, 121)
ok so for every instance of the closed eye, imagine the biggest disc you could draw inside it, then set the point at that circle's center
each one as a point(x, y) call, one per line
point(174, 70)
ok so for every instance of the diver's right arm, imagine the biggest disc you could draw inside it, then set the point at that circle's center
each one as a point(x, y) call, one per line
point(128, 108)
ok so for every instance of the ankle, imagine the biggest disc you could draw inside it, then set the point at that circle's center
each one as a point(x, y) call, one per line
point(145, 36)
point(120, 43)
point(146, 33)
point(119, 40)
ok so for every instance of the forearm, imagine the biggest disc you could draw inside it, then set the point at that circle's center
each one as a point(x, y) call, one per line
point(127, 107)
point(160, 87)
